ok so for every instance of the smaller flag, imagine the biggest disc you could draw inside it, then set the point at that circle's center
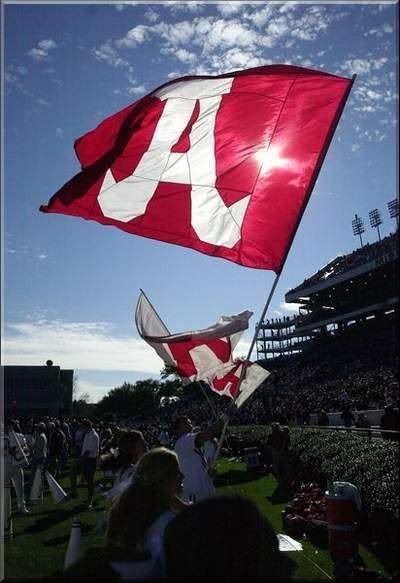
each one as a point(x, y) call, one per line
point(203, 355)
point(37, 485)
point(58, 494)
point(197, 354)
point(228, 384)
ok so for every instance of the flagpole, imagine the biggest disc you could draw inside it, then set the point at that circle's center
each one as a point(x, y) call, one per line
point(168, 332)
point(246, 362)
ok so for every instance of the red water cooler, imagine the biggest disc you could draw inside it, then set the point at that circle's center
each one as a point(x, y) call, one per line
point(343, 507)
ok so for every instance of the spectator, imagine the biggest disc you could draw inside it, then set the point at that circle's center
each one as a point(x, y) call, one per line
point(347, 416)
point(140, 514)
point(132, 447)
point(390, 422)
point(323, 419)
point(57, 448)
point(17, 459)
point(87, 463)
point(39, 454)
point(78, 440)
point(197, 483)
point(163, 437)
point(362, 421)
point(225, 538)
point(275, 441)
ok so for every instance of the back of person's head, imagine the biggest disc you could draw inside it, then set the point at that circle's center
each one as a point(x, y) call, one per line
point(131, 444)
point(182, 424)
point(87, 424)
point(223, 538)
point(157, 480)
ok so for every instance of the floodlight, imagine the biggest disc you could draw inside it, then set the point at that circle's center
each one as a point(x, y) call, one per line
point(393, 207)
point(358, 227)
point(375, 220)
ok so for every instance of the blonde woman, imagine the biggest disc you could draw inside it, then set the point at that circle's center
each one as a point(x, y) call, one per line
point(137, 521)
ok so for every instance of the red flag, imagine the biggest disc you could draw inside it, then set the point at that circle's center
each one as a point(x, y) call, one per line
point(222, 164)
point(198, 354)
point(203, 354)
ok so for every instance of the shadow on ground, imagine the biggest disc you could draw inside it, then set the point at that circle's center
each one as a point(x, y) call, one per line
point(234, 477)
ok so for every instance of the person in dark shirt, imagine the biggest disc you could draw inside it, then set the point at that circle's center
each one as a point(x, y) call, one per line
point(323, 419)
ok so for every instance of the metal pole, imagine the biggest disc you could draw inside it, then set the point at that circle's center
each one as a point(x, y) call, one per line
point(246, 362)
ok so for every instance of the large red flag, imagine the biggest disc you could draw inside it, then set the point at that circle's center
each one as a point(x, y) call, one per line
point(222, 164)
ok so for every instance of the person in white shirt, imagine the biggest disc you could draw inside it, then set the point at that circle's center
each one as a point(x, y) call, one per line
point(209, 451)
point(15, 458)
point(198, 483)
point(87, 463)
point(39, 452)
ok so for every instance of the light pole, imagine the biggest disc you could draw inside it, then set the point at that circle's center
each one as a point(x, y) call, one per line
point(393, 207)
point(358, 227)
point(375, 220)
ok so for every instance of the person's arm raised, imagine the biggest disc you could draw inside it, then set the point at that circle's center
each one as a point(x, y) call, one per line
point(215, 429)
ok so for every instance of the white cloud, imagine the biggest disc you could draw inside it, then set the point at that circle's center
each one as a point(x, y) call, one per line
point(229, 8)
point(363, 66)
point(95, 391)
point(42, 256)
point(136, 89)
point(47, 45)
point(355, 147)
point(42, 101)
point(185, 56)
point(41, 51)
point(107, 53)
point(76, 345)
point(151, 15)
point(178, 5)
point(134, 36)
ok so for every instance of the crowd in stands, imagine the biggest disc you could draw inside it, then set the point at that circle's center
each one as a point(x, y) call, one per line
point(343, 263)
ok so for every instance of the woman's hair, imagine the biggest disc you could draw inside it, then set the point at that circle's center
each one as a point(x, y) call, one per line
point(126, 440)
point(136, 508)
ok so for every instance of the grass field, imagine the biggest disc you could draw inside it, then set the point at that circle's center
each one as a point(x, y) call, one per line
point(41, 537)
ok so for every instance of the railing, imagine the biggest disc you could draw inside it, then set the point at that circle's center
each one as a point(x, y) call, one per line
point(373, 431)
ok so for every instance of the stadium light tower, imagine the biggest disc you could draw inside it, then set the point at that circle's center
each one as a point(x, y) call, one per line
point(375, 220)
point(358, 227)
point(393, 207)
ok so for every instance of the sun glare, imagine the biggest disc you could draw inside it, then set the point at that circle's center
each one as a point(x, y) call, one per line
point(270, 157)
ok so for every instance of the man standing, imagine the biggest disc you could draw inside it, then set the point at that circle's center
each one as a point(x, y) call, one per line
point(18, 450)
point(39, 455)
point(197, 483)
point(276, 441)
point(87, 463)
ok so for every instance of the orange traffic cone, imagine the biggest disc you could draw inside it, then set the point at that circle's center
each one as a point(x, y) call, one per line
point(56, 491)
point(74, 550)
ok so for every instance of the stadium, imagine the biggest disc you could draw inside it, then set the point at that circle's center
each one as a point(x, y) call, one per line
point(337, 356)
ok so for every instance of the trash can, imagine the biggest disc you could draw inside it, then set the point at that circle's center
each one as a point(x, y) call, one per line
point(343, 507)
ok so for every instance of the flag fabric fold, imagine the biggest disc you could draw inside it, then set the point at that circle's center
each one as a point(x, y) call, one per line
point(222, 164)
point(202, 354)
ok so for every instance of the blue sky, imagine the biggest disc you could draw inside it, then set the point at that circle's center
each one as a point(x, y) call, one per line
point(70, 286)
